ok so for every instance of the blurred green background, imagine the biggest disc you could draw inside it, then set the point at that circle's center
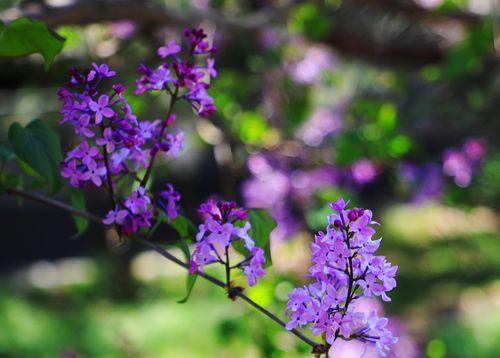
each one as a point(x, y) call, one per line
point(393, 104)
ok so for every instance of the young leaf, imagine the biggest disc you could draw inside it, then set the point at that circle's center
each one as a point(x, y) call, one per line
point(78, 201)
point(262, 225)
point(23, 36)
point(191, 278)
point(38, 146)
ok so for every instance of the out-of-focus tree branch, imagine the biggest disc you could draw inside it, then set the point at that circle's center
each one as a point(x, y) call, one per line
point(83, 12)
point(417, 11)
point(380, 30)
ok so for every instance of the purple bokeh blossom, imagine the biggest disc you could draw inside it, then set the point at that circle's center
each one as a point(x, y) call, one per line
point(310, 68)
point(363, 171)
point(425, 182)
point(462, 164)
point(282, 187)
point(322, 123)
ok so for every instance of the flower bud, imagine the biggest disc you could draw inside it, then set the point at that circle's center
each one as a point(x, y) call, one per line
point(352, 215)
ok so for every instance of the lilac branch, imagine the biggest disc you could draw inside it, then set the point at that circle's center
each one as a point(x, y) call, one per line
point(94, 218)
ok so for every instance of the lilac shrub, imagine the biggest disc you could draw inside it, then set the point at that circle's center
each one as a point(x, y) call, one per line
point(224, 225)
point(345, 268)
point(114, 144)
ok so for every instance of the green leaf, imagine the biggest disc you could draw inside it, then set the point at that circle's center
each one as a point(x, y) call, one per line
point(38, 146)
point(191, 278)
point(184, 226)
point(26, 169)
point(2, 189)
point(23, 36)
point(78, 201)
point(262, 225)
point(311, 20)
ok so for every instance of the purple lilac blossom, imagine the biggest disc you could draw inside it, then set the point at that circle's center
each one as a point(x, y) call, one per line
point(182, 77)
point(225, 223)
point(344, 269)
point(135, 212)
point(108, 124)
point(115, 143)
point(461, 164)
point(169, 200)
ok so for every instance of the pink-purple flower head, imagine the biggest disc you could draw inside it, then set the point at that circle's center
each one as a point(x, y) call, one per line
point(345, 268)
point(222, 210)
point(171, 48)
point(132, 214)
point(183, 74)
point(108, 127)
point(224, 224)
point(103, 70)
point(169, 201)
point(101, 108)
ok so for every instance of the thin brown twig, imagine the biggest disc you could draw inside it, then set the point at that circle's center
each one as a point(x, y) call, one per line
point(53, 203)
point(149, 170)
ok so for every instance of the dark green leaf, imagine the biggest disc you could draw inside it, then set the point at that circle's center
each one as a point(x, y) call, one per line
point(184, 226)
point(262, 225)
point(38, 146)
point(23, 36)
point(191, 279)
point(181, 244)
point(78, 201)
point(2, 189)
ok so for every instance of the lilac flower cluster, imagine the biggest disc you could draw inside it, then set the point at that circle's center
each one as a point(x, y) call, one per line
point(111, 132)
point(182, 78)
point(461, 164)
point(114, 143)
point(345, 268)
point(225, 224)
